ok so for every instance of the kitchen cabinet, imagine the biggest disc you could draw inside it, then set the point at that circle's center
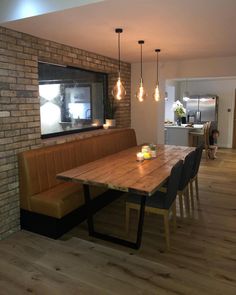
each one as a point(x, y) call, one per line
point(179, 135)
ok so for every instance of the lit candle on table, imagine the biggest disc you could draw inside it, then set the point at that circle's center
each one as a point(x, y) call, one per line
point(139, 157)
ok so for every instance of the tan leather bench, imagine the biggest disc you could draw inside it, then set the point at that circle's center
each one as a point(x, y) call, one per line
point(41, 194)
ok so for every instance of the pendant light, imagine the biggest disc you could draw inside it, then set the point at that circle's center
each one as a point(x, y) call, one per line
point(118, 91)
point(141, 93)
point(156, 94)
point(186, 93)
point(166, 96)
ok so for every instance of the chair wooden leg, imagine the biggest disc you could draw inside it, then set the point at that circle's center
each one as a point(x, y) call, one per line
point(181, 206)
point(196, 186)
point(191, 187)
point(174, 215)
point(167, 230)
point(186, 202)
point(191, 194)
point(127, 215)
point(190, 139)
point(207, 151)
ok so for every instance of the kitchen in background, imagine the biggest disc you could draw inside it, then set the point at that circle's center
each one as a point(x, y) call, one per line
point(211, 99)
point(201, 109)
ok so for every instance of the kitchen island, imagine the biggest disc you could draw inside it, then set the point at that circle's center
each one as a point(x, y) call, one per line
point(179, 135)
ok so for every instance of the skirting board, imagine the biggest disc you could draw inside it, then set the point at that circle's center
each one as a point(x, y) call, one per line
point(228, 146)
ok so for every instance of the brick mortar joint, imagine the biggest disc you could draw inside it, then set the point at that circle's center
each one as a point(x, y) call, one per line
point(21, 58)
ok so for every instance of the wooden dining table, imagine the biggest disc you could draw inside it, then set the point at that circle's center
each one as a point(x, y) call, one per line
point(122, 172)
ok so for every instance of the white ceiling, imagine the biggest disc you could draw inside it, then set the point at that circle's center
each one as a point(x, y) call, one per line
point(18, 9)
point(183, 29)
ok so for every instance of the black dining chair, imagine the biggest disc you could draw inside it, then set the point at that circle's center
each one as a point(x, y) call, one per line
point(194, 174)
point(160, 203)
point(183, 189)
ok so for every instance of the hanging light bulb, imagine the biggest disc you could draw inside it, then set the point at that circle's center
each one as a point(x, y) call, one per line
point(186, 96)
point(186, 93)
point(118, 91)
point(166, 96)
point(156, 94)
point(141, 93)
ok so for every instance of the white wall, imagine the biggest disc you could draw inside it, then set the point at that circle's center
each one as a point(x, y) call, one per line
point(144, 114)
point(171, 88)
point(152, 116)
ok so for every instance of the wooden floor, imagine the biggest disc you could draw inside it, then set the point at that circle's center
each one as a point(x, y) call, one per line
point(202, 259)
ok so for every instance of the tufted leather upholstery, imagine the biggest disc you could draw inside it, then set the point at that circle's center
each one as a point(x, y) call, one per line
point(42, 193)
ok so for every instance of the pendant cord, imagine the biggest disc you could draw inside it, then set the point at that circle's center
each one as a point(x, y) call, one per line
point(141, 62)
point(119, 51)
point(157, 68)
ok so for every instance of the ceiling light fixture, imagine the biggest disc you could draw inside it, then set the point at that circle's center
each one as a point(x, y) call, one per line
point(118, 91)
point(156, 94)
point(141, 93)
point(166, 96)
point(186, 93)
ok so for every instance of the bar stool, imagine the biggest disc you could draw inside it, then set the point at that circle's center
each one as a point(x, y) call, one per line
point(207, 148)
point(195, 136)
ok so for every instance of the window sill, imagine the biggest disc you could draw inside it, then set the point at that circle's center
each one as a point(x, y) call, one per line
point(75, 136)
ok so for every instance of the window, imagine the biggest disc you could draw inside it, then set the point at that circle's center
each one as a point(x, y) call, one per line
point(71, 99)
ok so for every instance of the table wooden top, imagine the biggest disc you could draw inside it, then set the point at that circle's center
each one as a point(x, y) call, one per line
point(122, 172)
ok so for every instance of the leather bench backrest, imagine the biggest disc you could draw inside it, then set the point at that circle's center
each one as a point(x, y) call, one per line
point(38, 168)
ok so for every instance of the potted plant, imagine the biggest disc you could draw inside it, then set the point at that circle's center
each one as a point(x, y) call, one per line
point(110, 111)
point(179, 110)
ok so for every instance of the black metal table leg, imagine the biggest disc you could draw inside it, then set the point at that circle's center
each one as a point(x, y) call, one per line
point(93, 233)
point(89, 207)
point(140, 222)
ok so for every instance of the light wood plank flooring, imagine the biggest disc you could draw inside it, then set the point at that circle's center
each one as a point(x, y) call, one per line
point(202, 259)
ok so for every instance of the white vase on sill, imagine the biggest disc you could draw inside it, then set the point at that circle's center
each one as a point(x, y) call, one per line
point(111, 123)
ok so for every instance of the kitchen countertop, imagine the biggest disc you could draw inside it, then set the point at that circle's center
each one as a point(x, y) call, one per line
point(183, 126)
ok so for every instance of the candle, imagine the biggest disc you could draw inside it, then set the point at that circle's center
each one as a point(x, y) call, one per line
point(97, 122)
point(153, 153)
point(105, 126)
point(145, 149)
point(153, 150)
point(139, 157)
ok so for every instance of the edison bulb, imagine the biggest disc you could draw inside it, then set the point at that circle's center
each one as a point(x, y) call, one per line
point(186, 96)
point(166, 96)
point(141, 93)
point(156, 94)
point(118, 91)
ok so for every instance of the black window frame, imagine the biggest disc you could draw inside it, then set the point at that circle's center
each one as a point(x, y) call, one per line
point(105, 97)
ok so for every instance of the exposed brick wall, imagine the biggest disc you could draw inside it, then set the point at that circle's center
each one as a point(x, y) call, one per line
point(20, 108)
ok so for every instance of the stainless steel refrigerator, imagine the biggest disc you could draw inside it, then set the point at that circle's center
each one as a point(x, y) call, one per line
point(202, 108)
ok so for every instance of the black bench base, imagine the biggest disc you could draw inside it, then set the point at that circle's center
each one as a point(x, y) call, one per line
point(53, 227)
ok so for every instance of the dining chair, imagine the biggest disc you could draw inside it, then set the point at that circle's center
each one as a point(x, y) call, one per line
point(194, 174)
point(160, 203)
point(183, 189)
